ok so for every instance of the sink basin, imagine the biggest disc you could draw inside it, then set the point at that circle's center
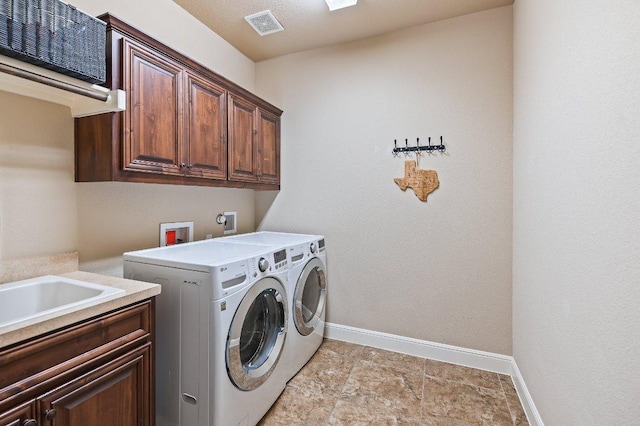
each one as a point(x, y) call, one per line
point(49, 296)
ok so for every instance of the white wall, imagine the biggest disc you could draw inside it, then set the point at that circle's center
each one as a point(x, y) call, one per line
point(42, 211)
point(37, 194)
point(115, 217)
point(576, 245)
point(439, 270)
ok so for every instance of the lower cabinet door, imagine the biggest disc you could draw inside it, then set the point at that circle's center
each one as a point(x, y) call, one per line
point(23, 415)
point(116, 393)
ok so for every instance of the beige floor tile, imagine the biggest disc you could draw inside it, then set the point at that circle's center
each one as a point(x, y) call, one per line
point(300, 406)
point(517, 412)
point(393, 359)
point(350, 350)
point(447, 402)
point(370, 410)
point(384, 382)
point(458, 373)
point(327, 371)
point(347, 384)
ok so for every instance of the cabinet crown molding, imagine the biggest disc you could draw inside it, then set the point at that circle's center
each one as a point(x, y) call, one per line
point(116, 24)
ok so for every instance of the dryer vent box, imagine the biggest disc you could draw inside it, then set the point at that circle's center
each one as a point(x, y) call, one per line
point(231, 224)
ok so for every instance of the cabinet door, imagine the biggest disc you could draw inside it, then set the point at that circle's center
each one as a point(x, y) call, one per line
point(242, 152)
point(20, 415)
point(206, 129)
point(118, 393)
point(152, 127)
point(268, 146)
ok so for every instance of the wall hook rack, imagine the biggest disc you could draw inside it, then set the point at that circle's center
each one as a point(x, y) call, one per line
point(407, 150)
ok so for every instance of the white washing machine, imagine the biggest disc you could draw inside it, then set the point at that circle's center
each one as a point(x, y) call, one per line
point(307, 260)
point(221, 323)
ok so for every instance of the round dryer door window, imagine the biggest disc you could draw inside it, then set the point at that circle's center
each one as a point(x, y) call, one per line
point(257, 334)
point(310, 297)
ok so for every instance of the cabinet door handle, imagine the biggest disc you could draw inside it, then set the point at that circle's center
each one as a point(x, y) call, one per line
point(30, 422)
point(50, 414)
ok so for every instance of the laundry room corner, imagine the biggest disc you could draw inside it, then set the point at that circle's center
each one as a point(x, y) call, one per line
point(264, 200)
point(442, 266)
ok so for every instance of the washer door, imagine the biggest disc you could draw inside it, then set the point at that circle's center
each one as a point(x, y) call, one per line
point(310, 297)
point(256, 335)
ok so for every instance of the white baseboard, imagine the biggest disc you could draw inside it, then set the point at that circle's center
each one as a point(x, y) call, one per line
point(502, 364)
point(422, 348)
point(525, 397)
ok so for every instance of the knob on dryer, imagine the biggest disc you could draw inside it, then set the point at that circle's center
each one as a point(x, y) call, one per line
point(313, 248)
point(263, 264)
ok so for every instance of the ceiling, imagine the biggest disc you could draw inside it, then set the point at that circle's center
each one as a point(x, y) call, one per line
point(309, 24)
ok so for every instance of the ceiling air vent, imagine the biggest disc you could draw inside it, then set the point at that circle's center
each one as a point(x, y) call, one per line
point(264, 23)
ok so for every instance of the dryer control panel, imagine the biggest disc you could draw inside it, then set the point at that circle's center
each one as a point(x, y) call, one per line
point(280, 259)
point(269, 262)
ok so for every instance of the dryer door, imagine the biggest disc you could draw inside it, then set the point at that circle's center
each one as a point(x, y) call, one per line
point(310, 297)
point(257, 333)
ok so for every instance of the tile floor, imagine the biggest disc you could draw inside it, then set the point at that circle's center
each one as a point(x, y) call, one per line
point(347, 384)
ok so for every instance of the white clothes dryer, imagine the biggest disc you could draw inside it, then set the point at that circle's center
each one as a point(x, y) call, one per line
point(307, 261)
point(221, 325)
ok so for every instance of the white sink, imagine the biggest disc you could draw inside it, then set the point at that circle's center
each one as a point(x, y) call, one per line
point(49, 296)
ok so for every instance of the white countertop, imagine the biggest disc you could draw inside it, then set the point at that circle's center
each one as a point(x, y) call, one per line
point(135, 291)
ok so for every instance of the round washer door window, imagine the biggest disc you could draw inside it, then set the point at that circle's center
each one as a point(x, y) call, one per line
point(310, 297)
point(257, 334)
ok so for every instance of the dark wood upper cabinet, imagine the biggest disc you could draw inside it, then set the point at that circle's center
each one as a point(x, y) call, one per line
point(242, 152)
point(206, 128)
point(152, 124)
point(268, 146)
point(184, 124)
point(254, 143)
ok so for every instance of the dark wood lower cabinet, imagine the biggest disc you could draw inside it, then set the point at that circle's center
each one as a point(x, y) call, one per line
point(113, 394)
point(20, 415)
point(102, 374)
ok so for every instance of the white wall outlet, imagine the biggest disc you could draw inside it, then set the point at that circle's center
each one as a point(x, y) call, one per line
point(175, 233)
point(231, 223)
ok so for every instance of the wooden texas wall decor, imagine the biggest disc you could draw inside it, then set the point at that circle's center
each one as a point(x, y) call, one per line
point(423, 182)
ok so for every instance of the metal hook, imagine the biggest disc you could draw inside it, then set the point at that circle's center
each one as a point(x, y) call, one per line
point(407, 150)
